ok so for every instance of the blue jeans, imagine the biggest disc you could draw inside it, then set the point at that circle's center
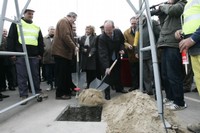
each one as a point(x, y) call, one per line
point(172, 73)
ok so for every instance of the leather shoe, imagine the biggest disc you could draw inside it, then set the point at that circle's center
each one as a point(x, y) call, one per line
point(195, 90)
point(12, 88)
point(122, 91)
point(131, 89)
point(107, 96)
point(64, 97)
point(4, 96)
point(3, 89)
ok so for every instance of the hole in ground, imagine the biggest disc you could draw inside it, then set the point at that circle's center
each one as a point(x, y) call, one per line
point(82, 113)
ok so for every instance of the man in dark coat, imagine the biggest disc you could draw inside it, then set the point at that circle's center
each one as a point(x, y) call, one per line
point(111, 45)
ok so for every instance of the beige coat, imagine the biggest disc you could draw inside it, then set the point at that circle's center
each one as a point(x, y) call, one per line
point(64, 43)
point(129, 39)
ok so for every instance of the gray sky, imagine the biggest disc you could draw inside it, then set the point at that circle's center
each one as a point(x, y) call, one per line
point(90, 12)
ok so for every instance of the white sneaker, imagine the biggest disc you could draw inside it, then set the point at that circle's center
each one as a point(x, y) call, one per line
point(49, 88)
point(176, 107)
point(167, 102)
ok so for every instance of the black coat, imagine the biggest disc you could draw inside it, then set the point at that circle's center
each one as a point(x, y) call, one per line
point(106, 47)
point(88, 62)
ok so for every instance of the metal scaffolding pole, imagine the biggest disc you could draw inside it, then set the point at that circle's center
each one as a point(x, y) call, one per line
point(24, 53)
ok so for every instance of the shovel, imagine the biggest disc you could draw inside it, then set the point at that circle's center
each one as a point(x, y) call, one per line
point(79, 77)
point(99, 84)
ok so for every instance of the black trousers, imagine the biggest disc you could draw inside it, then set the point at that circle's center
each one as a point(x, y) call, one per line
point(135, 75)
point(2, 74)
point(90, 76)
point(63, 76)
point(114, 78)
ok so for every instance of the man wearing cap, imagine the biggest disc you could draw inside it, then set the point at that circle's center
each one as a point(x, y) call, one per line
point(35, 47)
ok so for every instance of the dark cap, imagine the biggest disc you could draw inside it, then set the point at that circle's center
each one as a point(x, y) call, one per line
point(101, 27)
point(28, 10)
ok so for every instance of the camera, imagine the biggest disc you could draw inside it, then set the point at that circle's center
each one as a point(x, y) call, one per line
point(156, 12)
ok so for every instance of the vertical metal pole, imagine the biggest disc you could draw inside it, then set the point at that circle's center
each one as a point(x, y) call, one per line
point(154, 61)
point(140, 47)
point(24, 46)
point(2, 17)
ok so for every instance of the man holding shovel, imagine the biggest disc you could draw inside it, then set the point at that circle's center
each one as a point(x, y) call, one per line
point(110, 47)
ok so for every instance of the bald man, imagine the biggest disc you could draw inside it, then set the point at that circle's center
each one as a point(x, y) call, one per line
point(110, 46)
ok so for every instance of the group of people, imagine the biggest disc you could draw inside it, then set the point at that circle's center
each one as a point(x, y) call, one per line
point(8, 71)
point(98, 53)
point(94, 50)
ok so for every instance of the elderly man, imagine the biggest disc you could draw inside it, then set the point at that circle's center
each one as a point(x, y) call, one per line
point(129, 36)
point(110, 46)
point(64, 47)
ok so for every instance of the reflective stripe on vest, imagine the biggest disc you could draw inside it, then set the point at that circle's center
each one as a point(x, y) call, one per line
point(191, 16)
point(30, 33)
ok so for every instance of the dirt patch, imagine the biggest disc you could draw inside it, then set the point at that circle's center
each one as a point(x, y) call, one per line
point(91, 97)
point(136, 112)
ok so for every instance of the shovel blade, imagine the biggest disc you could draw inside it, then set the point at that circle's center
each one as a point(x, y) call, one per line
point(96, 83)
point(79, 79)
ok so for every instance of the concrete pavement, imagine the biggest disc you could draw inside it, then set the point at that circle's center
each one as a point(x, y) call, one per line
point(40, 117)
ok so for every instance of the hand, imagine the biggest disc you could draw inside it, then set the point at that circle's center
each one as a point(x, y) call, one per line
point(130, 47)
point(136, 55)
point(186, 44)
point(76, 50)
point(13, 58)
point(107, 72)
point(39, 57)
point(85, 50)
point(178, 34)
point(121, 52)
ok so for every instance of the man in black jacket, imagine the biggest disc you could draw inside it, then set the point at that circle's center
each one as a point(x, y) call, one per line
point(110, 46)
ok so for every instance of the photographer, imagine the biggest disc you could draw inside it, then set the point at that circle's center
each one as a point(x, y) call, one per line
point(171, 62)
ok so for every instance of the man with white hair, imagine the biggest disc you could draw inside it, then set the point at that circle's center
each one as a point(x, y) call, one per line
point(48, 59)
point(64, 47)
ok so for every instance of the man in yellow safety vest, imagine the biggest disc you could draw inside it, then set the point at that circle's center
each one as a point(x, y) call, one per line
point(34, 44)
point(191, 42)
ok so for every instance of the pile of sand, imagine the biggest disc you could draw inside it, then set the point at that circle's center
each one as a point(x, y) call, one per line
point(91, 97)
point(135, 112)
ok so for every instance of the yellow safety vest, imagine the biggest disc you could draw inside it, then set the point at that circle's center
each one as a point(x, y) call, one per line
point(191, 16)
point(31, 33)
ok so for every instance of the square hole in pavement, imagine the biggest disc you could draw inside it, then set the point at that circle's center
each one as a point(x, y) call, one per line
point(82, 113)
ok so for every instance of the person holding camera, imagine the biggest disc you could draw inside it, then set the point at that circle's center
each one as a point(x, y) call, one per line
point(171, 61)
